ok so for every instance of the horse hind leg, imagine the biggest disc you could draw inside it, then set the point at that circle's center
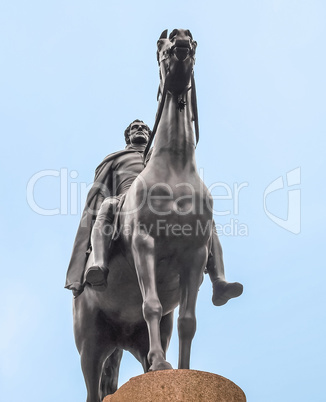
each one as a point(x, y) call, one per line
point(110, 373)
point(143, 253)
point(92, 336)
point(92, 360)
point(92, 363)
point(190, 281)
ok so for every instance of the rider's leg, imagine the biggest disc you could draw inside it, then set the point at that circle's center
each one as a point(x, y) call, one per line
point(101, 239)
point(222, 290)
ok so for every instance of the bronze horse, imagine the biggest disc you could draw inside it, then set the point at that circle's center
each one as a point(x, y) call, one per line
point(158, 260)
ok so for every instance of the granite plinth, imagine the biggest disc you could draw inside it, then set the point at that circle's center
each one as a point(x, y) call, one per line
point(178, 385)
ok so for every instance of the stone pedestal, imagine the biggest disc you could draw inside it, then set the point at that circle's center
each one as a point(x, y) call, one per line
point(178, 385)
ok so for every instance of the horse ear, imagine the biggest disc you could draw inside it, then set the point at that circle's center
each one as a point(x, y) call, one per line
point(164, 34)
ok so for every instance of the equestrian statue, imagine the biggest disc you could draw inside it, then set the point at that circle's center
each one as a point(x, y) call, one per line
point(146, 237)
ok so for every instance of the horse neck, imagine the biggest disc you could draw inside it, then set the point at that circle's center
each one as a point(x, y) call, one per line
point(174, 142)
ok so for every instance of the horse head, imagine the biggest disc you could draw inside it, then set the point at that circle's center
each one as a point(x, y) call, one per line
point(176, 58)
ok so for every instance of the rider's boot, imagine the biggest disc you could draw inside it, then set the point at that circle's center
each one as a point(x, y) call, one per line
point(223, 291)
point(101, 238)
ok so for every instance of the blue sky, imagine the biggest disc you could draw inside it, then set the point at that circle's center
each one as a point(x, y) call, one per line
point(73, 74)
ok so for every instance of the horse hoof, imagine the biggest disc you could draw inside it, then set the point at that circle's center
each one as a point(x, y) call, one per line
point(224, 291)
point(163, 365)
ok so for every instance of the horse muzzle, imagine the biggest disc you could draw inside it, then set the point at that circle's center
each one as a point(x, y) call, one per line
point(182, 49)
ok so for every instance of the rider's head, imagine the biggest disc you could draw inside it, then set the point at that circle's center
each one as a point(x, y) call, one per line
point(137, 132)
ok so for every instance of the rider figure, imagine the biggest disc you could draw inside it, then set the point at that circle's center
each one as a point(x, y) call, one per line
point(113, 178)
point(125, 171)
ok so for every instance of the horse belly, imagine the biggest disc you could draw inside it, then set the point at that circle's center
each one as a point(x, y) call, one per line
point(122, 301)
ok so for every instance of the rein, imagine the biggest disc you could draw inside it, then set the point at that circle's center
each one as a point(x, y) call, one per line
point(194, 106)
point(157, 120)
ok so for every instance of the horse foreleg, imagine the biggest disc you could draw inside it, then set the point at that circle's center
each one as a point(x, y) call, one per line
point(140, 347)
point(166, 331)
point(143, 253)
point(190, 280)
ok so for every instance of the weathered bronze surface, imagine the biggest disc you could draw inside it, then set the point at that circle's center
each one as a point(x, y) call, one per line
point(160, 218)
